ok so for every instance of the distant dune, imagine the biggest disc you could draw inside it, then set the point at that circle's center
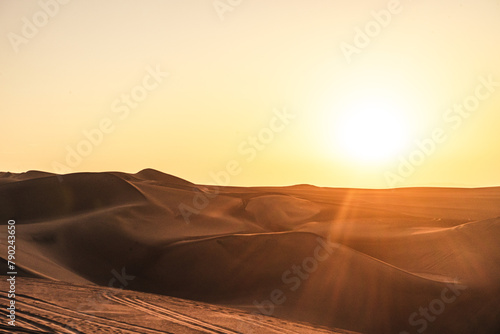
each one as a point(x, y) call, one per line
point(407, 260)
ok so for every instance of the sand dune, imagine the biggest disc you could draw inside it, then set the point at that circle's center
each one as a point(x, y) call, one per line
point(58, 307)
point(370, 261)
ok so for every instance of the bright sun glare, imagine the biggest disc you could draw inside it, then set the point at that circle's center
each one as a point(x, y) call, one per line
point(372, 131)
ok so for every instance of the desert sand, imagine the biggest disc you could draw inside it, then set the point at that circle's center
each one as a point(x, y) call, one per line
point(167, 255)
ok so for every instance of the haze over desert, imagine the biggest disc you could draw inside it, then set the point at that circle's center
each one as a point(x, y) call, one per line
point(251, 167)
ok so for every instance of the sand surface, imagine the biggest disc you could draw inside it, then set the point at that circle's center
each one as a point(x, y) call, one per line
point(58, 307)
point(370, 261)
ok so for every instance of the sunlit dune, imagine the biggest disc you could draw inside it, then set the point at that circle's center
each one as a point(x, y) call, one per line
point(355, 260)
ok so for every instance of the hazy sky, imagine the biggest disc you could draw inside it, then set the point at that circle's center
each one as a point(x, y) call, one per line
point(276, 92)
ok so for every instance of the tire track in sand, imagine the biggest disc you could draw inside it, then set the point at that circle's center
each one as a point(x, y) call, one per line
point(43, 322)
point(173, 316)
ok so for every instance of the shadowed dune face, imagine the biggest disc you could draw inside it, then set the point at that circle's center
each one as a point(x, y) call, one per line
point(363, 260)
point(50, 197)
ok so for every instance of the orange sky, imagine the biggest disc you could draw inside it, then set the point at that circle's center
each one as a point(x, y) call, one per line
point(376, 94)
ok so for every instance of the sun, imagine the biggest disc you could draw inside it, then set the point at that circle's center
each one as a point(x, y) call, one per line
point(372, 130)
